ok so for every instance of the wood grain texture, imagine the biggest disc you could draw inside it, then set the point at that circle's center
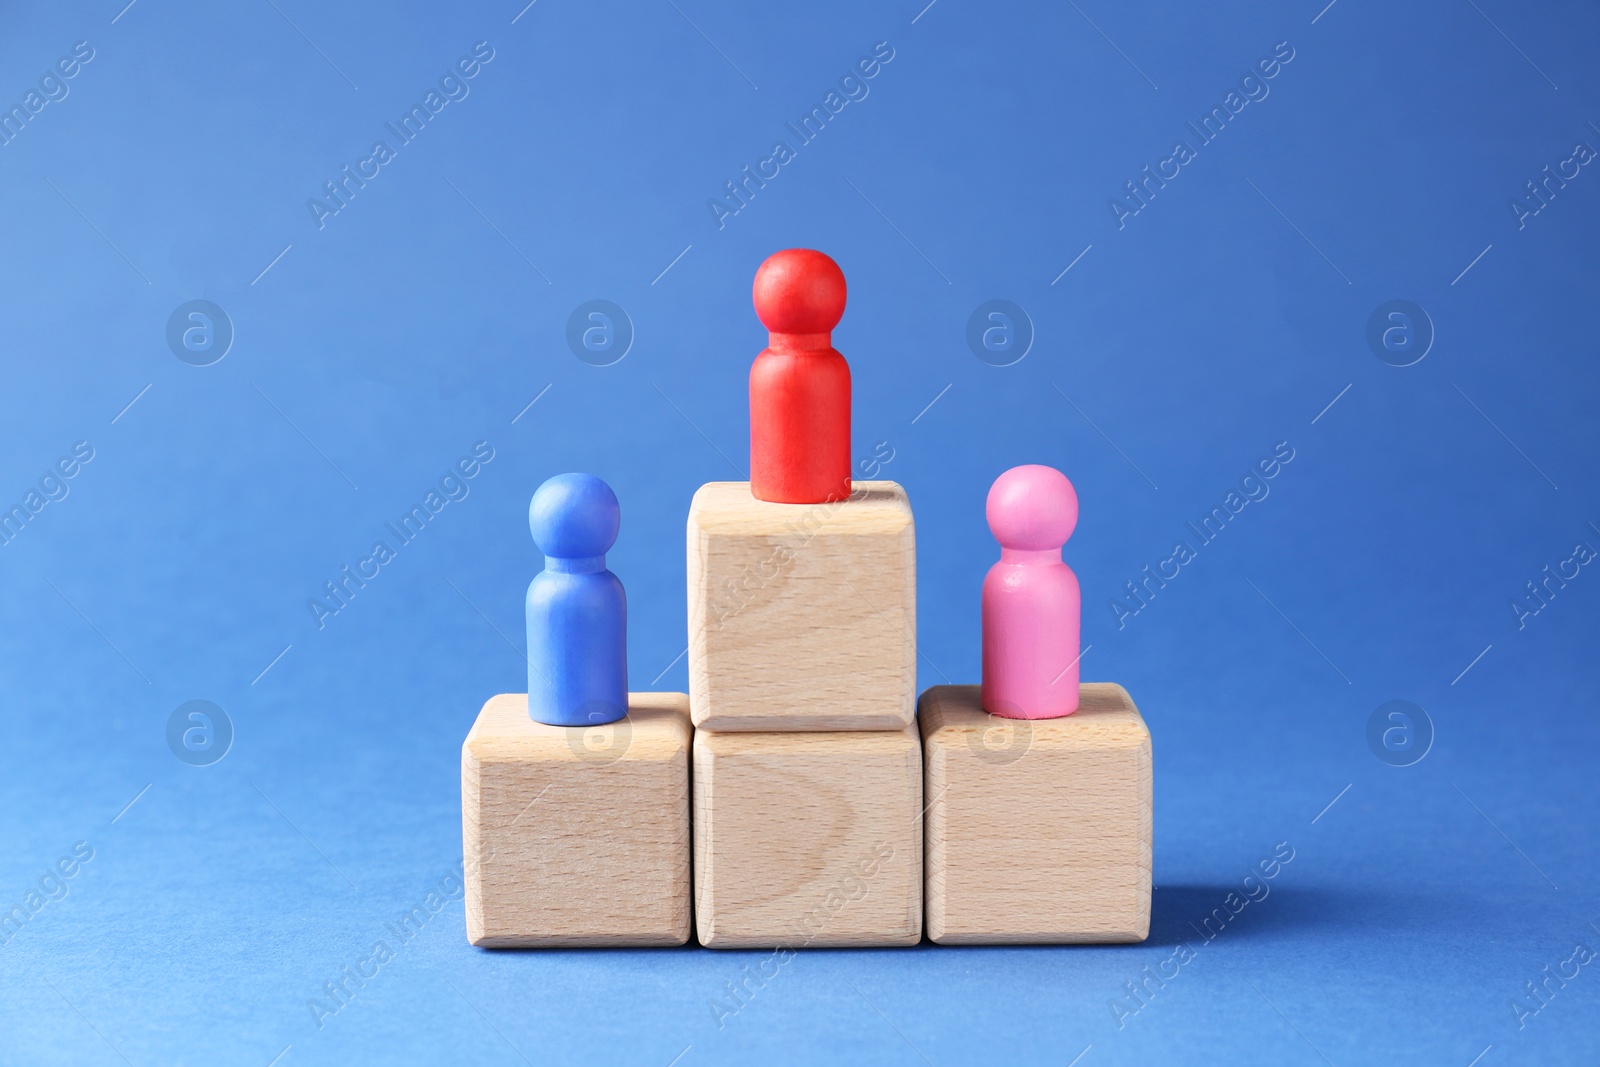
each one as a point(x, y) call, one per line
point(808, 839)
point(577, 836)
point(1038, 831)
point(826, 592)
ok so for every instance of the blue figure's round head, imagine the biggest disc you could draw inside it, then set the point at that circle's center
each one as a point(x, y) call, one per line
point(574, 516)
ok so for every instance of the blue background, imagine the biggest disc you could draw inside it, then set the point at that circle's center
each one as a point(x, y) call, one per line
point(426, 314)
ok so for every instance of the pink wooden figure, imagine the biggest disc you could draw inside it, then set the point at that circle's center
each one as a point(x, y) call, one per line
point(1031, 605)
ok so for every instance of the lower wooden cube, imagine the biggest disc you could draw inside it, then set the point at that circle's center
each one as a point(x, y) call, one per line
point(577, 835)
point(1038, 831)
point(808, 839)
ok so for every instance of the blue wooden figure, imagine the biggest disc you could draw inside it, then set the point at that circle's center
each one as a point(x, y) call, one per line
point(577, 610)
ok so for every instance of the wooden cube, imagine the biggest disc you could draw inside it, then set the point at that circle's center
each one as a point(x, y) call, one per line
point(826, 592)
point(577, 835)
point(808, 839)
point(1038, 831)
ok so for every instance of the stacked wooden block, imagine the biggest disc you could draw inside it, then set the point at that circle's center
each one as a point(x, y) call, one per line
point(577, 836)
point(802, 685)
point(1038, 830)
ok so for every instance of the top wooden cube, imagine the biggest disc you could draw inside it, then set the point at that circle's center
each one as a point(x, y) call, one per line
point(802, 616)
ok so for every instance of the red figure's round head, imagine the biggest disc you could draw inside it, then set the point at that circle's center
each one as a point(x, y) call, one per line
point(799, 291)
point(1033, 508)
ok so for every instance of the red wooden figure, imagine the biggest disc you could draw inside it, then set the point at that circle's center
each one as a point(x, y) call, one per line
point(799, 386)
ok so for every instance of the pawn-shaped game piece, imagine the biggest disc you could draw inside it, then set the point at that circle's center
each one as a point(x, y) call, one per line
point(799, 386)
point(577, 610)
point(1031, 604)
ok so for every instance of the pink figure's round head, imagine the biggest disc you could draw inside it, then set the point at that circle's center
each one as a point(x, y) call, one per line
point(799, 291)
point(1033, 508)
